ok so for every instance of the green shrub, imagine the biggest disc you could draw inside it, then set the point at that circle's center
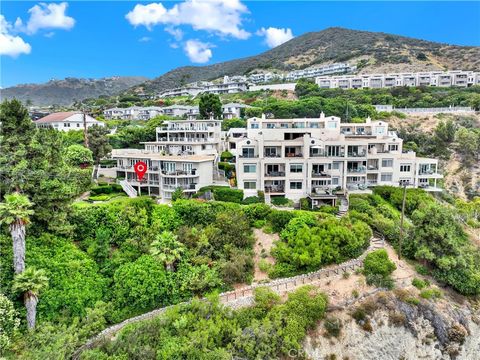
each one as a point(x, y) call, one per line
point(258, 224)
point(377, 262)
point(228, 195)
point(252, 200)
point(226, 156)
point(333, 326)
point(264, 265)
point(281, 201)
point(227, 167)
point(432, 294)
point(422, 270)
point(257, 212)
point(419, 283)
point(279, 219)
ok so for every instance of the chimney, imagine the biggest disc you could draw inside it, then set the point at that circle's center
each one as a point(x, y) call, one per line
point(322, 115)
point(263, 116)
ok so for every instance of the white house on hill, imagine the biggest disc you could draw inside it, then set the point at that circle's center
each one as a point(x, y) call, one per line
point(66, 121)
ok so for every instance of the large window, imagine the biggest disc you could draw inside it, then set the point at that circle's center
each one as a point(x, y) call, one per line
point(387, 163)
point(386, 177)
point(405, 167)
point(248, 152)
point(250, 168)
point(250, 185)
point(295, 185)
point(254, 126)
point(296, 168)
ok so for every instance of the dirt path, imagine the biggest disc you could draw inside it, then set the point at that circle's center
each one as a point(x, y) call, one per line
point(263, 245)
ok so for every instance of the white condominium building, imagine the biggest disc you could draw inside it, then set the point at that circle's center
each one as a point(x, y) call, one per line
point(433, 78)
point(66, 121)
point(299, 158)
point(183, 156)
point(147, 113)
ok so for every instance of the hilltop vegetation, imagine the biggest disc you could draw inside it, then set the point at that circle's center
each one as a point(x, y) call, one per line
point(65, 92)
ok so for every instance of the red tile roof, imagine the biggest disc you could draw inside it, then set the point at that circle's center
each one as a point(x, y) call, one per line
point(56, 117)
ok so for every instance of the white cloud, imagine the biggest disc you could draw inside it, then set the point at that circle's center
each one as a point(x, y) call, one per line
point(175, 32)
point(219, 16)
point(11, 45)
point(275, 36)
point(145, 39)
point(197, 51)
point(46, 16)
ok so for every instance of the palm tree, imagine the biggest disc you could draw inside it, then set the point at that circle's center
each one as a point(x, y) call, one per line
point(30, 282)
point(167, 249)
point(15, 212)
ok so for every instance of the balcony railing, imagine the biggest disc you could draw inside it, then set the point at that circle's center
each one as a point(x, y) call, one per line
point(250, 156)
point(320, 174)
point(427, 172)
point(181, 186)
point(357, 154)
point(356, 171)
point(272, 155)
point(275, 173)
point(293, 155)
point(274, 189)
point(179, 173)
point(188, 140)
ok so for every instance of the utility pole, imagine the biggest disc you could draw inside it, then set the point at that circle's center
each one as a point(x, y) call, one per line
point(85, 132)
point(401, 220)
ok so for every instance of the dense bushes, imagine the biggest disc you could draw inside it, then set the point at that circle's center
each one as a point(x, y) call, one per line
point(433, 236)
point(228, 195)
point(309, 242)
point(377, 268)
point(207, 330)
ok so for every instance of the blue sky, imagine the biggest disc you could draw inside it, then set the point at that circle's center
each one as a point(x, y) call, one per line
point(98, 39)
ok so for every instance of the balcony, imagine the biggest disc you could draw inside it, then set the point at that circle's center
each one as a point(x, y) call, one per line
point(293, 155)
point(275, 173)
point(272, 155)
point(357, 170)
point(187, 140)
point(180, 173)
point(320, 174)
point(248, 156)
point(274, 188)
point(357, 154)
point(181, 186)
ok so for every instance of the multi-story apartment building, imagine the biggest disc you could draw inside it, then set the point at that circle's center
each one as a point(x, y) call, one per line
point(147, 113)
point(433, 78)
point(183, 155)
point(299, 158)
point(133, 113)
point(320, 71)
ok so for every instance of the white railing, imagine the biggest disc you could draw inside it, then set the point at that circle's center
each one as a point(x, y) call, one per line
point(129, 190)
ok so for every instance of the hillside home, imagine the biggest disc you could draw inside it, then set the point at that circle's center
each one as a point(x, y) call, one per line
point(66, 121)
point(184, 156)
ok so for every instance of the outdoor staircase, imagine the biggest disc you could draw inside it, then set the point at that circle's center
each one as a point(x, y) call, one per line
point(129, 190)
point(343, 208)
point(377, 241)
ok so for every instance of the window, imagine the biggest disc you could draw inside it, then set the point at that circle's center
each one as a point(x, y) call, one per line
point(249, 168)
point(393, 147)
point(284, 125)
point(296, 168)
point(335, 165)
point(405, 168)
point(333, 150)
point(270, 126)
point(248, 152)
point(249, 184)
point(387, 163)
point(386, 177)
point(295, 185)
point(380, 130)
point(335, 181)
point(78, 125)
point(254, 126)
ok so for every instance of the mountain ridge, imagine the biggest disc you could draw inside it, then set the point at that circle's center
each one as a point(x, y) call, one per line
point(68, 90)
point(372, 52)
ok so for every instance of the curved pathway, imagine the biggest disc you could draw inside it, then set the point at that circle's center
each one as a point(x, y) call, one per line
point(244, 296)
